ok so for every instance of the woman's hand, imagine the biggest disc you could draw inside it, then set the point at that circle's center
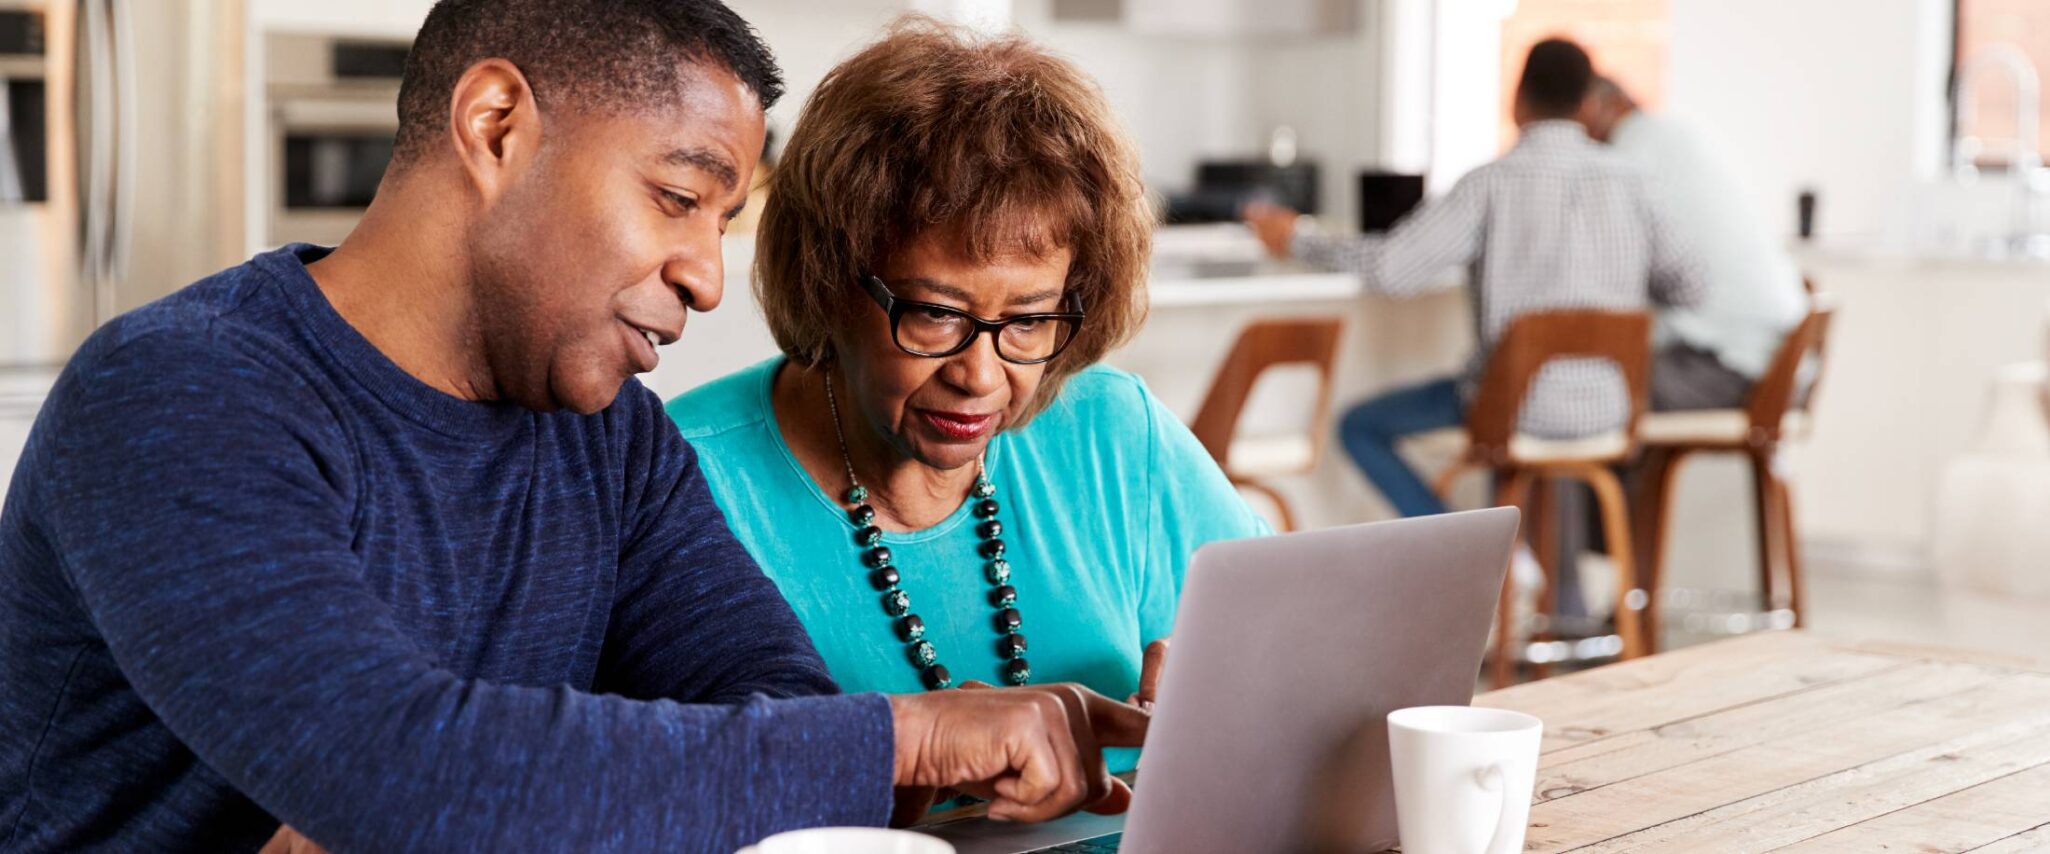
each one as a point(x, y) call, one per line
point(1149, 675)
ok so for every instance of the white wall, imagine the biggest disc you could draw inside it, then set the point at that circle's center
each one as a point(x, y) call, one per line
point(1465, 89)
point(1846, 96)
point(1181, 98)
point(809, 38)
point(1328, 88)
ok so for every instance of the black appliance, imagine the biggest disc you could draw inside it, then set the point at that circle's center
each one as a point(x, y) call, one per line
point(1387, 197)
point(1224, 186)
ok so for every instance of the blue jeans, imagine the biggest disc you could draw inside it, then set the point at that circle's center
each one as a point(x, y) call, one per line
point(1370, 430)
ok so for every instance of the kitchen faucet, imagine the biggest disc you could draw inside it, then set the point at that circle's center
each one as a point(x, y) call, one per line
point(2026, 163)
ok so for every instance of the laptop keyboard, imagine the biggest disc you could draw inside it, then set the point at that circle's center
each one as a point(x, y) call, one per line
point(1104, 844)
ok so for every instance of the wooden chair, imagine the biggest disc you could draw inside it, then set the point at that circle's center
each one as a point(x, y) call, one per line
point(1773, 411)
point(1251, 460)
point(1521, 462)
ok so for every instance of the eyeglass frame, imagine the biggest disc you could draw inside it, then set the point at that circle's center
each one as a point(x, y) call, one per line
point(896, 306)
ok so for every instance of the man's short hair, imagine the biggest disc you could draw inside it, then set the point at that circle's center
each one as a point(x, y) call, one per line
point(1555, 80)
point(587, 54)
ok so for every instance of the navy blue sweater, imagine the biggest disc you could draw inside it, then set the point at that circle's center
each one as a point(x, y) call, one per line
point(252, 571)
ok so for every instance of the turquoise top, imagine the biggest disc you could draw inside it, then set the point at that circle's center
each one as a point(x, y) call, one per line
point(1104, 497)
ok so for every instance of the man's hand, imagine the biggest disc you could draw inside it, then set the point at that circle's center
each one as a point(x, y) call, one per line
point(1273, 224)
point(1039, 749)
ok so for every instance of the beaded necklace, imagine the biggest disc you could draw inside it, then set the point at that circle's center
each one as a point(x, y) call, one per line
point(883, 572)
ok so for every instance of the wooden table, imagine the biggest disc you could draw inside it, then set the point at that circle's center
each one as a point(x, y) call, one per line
point(1787, 742)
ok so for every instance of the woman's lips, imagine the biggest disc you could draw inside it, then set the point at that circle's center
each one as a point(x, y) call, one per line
point(958, 425)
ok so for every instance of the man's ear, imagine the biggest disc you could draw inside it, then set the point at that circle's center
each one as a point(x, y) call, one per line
point(494, 125)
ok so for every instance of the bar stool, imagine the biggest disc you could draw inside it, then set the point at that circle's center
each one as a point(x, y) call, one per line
point(1770, 414)
point(1520, 461)
point(1250, 461)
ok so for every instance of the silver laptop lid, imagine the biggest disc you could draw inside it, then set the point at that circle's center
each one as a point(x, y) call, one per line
point(1290, 652)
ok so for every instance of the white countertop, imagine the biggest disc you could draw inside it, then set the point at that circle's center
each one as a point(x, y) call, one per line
point(1223, 265)
point(1880, 254)
point(1183, 288)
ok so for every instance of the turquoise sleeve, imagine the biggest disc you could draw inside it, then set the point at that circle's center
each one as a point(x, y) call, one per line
point(1191, 502)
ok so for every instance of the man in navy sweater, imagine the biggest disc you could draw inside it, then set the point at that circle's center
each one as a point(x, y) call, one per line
point(385, 542)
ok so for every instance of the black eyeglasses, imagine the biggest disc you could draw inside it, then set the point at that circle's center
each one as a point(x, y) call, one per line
point(935, 331)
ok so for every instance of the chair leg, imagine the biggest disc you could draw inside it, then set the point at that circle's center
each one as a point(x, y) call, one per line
point(1544, 542)
point(1790, 541)
point(1653, 509)
point(1281, 507)
point(1510, 491)
point(1615, 510)
point(1763, 485)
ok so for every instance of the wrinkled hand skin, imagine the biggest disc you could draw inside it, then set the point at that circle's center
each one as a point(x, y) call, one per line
point(1036, 752)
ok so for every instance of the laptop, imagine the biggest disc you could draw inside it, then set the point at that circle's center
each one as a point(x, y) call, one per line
point(1289, 653)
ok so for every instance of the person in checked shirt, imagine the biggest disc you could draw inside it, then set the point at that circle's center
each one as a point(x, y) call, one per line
point(1556, 223)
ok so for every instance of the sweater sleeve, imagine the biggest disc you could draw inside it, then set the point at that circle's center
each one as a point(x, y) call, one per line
point(695, 620)
point(1411, 259)
point(195, 514)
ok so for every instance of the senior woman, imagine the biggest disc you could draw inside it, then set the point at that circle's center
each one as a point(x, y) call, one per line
point(935, 468)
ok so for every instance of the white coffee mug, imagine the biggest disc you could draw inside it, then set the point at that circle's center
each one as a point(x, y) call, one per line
point(849, 840)
point(1463, 778)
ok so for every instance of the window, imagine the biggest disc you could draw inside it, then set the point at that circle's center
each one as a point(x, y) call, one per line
point(1993, 38)
point(1626, 38)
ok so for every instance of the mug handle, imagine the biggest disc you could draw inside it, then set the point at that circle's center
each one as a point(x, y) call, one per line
point(1494, 779)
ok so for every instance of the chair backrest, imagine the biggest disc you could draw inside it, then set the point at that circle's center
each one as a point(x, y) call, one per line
point(1262, 345)
point(1535, 340)
point(1775, 392)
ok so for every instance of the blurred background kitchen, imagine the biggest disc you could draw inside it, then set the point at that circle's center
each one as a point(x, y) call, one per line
point(1893, 147)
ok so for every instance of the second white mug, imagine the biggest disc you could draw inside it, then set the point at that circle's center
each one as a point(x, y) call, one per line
point(1463, 778)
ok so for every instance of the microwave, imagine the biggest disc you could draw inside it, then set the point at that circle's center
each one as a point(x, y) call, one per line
point(333, 104)
point(24, 131)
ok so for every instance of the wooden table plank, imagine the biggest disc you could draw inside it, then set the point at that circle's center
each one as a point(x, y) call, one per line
point(1999, 809)
point(1783, 740)
point(1694, 792)
point(1932, 653)
point(2036, 839)
point(1608, 701)
point(1592, 765)
point(1795, 813)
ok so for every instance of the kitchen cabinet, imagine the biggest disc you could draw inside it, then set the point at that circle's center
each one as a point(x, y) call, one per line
point(21, 397)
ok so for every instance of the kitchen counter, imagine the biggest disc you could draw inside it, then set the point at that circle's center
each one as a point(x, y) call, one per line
point(1873, 255)
point(1185, 285)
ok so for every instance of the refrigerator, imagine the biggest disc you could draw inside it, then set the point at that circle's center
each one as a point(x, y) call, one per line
point(122, 149)
point(121, 173)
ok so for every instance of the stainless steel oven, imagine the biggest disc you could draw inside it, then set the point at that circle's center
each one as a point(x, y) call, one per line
point(333, 118)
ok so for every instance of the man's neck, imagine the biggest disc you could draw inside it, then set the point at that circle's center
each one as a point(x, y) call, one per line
point(401, 278)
